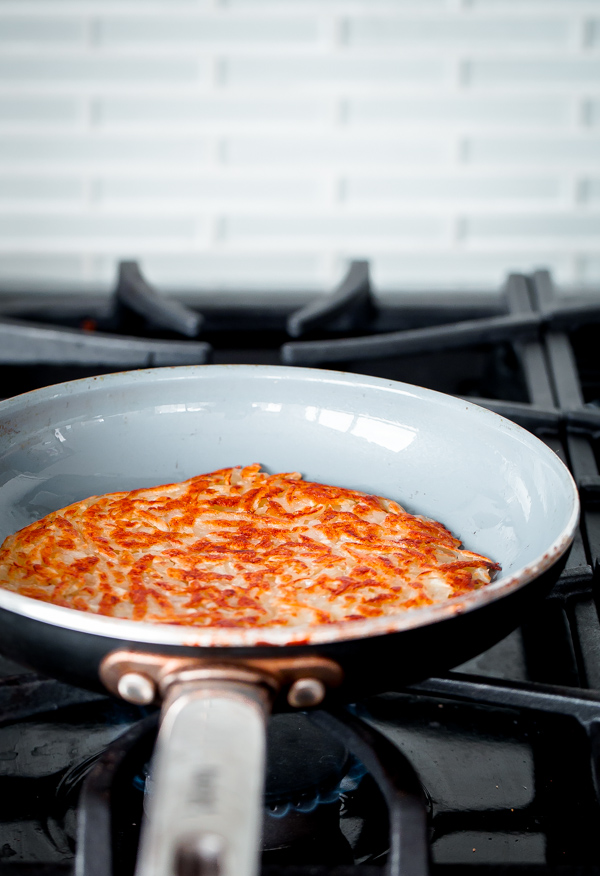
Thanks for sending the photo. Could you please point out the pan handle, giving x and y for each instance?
(204, 815)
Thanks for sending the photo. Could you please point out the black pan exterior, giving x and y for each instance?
(371, 665)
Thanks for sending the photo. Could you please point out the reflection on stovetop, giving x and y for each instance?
(506, 748)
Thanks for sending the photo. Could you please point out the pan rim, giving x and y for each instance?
(157, 634)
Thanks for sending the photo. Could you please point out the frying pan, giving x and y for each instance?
(498, 488)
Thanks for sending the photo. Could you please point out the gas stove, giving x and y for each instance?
(491, 769)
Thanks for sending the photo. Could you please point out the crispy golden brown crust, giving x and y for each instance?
(239, 548)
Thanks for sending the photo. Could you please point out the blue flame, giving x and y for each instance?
(350, 782)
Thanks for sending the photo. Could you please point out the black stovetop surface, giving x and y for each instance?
(505, 747)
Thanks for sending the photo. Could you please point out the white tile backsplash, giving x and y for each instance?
(468, 268)
(590, 270)
(333, 152)
(241, 270)
(214, 113)
(591, 191)
(261, 144)
(30, 110)
(359, 227)
(444, 31)
(568, 152)
(113, 227)
(40, 30)
(462, 112)
(216, 189)
(533, 225)
(80, 71)
(544, 73)
(200, 31)
(446, 191)
(36, 270)
(334, 70)
(18, 188)
(95, 151)
(592, 112)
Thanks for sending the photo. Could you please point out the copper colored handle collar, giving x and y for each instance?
(144, 678)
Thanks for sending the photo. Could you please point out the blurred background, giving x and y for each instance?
(263, 144)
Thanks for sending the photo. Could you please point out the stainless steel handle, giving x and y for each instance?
(204, 816)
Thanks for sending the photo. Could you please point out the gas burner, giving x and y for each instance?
(360, 819)
(321, 807)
